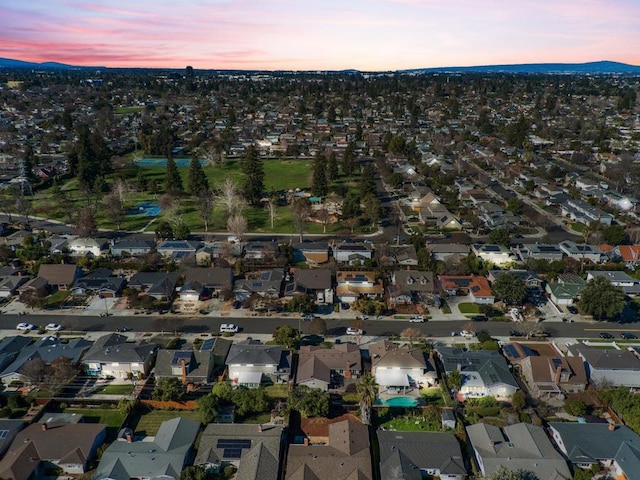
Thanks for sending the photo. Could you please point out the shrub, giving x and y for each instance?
(5, 412)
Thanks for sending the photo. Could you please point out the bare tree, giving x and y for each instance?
(23, 207)
(411, 334)
(34, 370)
(212, 156)
(323, 216)
(300, 213)
(114, 208)
(63, 371)
(168, 201)
(206, 202)
(229, 198)
(86, 225)
(121, 190)
(272, 206)
(318, 326)
(237, 224)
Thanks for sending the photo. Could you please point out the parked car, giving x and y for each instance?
(344, 306)
(308, 316)
(628, 336)
(53, 327)
(237, 304)
(515, 333)
(354, 331)
(417, 319)
(573, 310)
(467, 334)
(25, 327)
(479, 318)
(606, 335)
(229, 328)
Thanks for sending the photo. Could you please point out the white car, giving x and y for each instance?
(229, 328)
(467, 334)
(354, 331)
(417, 319)
(25, 327)
(53, 327)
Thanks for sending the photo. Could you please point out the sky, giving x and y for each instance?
(370, 35)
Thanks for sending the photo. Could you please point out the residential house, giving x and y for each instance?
(267, 285)
(59, 276)
(484, 372)
(401, 367)
(250, 360)
(547, 373)
(566, 289)
(254, 450)
(628, 284)
(443, 251)
(521, 446)
(587, 444)
(92, 247)
(540, 251)
(177, 248)
(475, 286)
(163, 456)
(353, 285)
(260, 251)
(404, 255)
(9, 284)
(344, 455)
(353, 253)
(496, 254)
(22, 463)
(327, 368)
(190, 366)
(8, 430)
(101, 282)
(113, 356)
(582, 251)
(530, 278)
(67, 446)
(411, 286)
(439, 216)
(608, 366)
(10, 347)
(159, 285)
(313, 253)
(317, 282)
(133, 248)
(580, 211)
(47, 349)
(416, 455)
(213, 281)
(629, 254)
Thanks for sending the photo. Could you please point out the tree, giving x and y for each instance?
(173, 181)
(237, 225)
(208, 408)
(30, 161)
(250, 401)
(193, 472)
(411, 333)
(197, 180)
(300, 210)
(310, 402)
(254, 176)
(206, 202)
(368, 180)
(318, 326)
(181, 230)
(272, 205)
(332, 167)
(86, 225)
(286, 336)
(34, 298)
(500, 236)
(372, 208)
(454, 380)
(62, 371)
(34, 370)
(367, 390)
(229, 198)
(301, 303)
(509, 288)
(114, 209)
(614, 234)
(349, 159)
(601, 299)
(223, 391)
(319, 182)
(576, 407)
(518, 400)
(89, 158)
(168, 389)
(164, 230)
(127, 405)
(503, 473)
(514, 205)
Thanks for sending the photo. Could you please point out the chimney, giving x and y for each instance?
(184, 371)
(306, 442)
(612, 427)
(260, 428)
(347, 371)
(129, 438)
(44, 427)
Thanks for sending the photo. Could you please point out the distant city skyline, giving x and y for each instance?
(319, 34)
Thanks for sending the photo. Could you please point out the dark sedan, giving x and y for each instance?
(606, 335)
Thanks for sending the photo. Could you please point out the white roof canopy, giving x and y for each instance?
(391, 378)
(249, 377)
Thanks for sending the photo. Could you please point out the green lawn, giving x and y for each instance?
(433, 396)
(410, 424)
(277, 391)
(113, 418)
(257, 418)
(115, 389)
(147, 422)
(57, 298)
(467, 307)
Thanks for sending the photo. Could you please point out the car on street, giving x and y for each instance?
(53, 327)
(417, 319)
(606, 335)
(308, 316)
(237, 304)
(25, 327)
(354, 331)
(573, 310)
(479, 318)
(515, 333)
(467, 334)
(344, 306)
(229, 328)
(628, 336)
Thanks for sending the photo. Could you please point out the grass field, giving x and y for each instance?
(113, 418)
(115, 389)
(467, 307)
(147, 422)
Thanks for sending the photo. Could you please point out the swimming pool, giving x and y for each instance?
(148, 209)
(406, 402)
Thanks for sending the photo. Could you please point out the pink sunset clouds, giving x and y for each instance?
(326, 34)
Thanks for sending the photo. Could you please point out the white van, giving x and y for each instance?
(229, 328)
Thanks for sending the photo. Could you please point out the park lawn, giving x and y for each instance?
(115, 389)
(467, 307)
(148, 422)
(277, 391)
(128, 109)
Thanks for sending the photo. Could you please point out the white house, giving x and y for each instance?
(88, 246)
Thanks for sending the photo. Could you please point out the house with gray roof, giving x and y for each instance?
(516, 447)
(101, 282)
(530, 278)
(267, 284)
(326, 368)
(628, 284)
(608, 365)
(404, 255)
(8, 430)
(255, 450)
(260, 250)
(352, 252)
(345, 454)
(411, 286)
(132, 248)
(47, 349)
(177, 248)
(443, 251)
(214, 279)
(159, 285)
(10, 347)
(163, 456)
(484, 372)
(190, 366)
(418, 454)
(250, 360)
(540, 251)
(582, 251)
(113, 355)
(626, 463)
(9, 284)
(586, 444)
(317, 282)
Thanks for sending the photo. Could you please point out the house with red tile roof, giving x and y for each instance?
(476, 286)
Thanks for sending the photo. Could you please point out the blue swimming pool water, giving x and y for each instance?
(162, 162)
(398, 402)
(148, 209)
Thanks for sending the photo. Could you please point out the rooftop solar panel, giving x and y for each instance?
(208, 344)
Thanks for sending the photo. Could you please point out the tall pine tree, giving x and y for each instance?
(197, 180)
(319, 183)
(89, 158)
(332, 168)
(173, 182)
(254, 176)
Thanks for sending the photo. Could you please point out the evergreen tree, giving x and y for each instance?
(254, 172)
(173, 181)
(30, 161)
(89, 158)
(197, 180)
(368, 180)
(349, 160)
(332, 168)
(319, 183)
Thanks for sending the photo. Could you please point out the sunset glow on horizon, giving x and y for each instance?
(319, 35)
